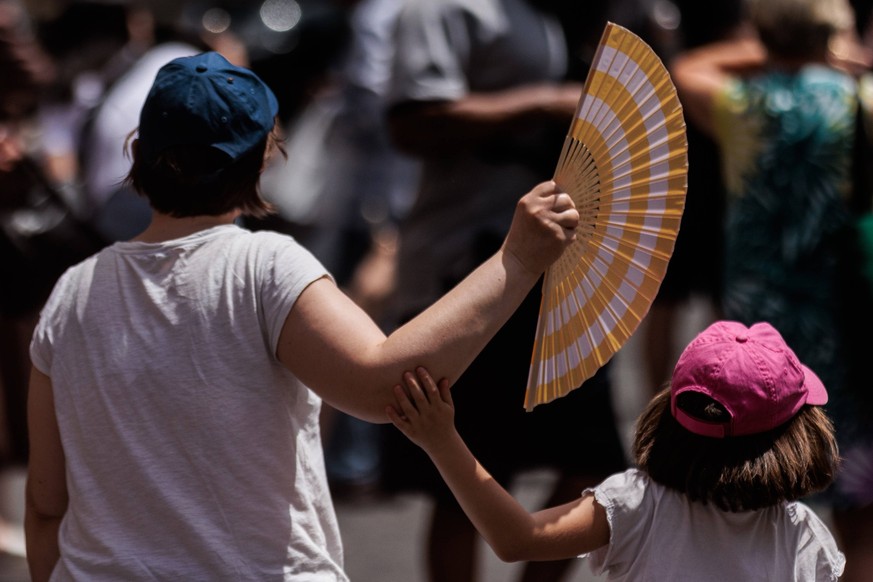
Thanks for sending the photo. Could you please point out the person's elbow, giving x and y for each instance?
(512, 550)
(510, 553)
(43, 507)
(372, 409)
(512, 545)
(373, 416)
(538, 546)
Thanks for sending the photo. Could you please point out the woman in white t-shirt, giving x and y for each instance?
(177, 377)
(723, 456)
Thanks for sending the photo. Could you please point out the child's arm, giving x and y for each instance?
(426, 417)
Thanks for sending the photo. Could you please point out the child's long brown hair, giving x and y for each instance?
(737, 473)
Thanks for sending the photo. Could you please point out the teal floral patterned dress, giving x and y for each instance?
(786, 141)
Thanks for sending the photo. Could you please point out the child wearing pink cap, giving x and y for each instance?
(723, 455)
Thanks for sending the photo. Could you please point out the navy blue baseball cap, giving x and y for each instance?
(205, 100)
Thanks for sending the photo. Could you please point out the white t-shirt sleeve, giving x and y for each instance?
(623, 496)
(53, 314)
(816, 549)
(291, 269)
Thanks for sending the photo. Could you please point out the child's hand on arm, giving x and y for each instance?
(425, 414)
(424, 411)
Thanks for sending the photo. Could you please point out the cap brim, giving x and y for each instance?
(817, 395)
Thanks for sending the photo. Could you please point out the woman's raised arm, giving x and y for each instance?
(339, 352)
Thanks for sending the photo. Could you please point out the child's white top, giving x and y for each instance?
(657, 533)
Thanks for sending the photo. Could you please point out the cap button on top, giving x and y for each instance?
(200, 68)
(742, 338)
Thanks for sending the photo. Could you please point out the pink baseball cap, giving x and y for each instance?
(751, 372)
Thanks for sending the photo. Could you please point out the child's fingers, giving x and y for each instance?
(407, 408)
(446, 392)
(430, 387)
(415, 390)
(395, 417)
(435, 392)
(400, 422)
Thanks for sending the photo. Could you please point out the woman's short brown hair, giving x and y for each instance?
(202, 181)
(737, 473)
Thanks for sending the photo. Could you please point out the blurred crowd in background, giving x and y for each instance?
(73, 75)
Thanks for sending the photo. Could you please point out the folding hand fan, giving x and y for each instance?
(625, 164)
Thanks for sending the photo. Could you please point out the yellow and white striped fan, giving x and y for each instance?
(625, 164)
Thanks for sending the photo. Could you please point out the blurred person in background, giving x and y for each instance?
(88, 42)
(478, 94)
(25, 72)
(783, 107)
(694, 271)
(110, 52)
(344, 186)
